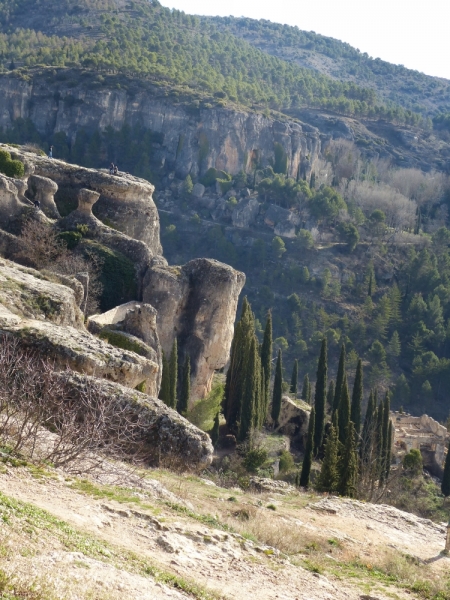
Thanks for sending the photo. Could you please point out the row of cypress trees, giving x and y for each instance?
(350, 457)
(169, 382)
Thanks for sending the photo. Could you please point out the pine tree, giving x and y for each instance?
(384, 452)
(266, 361)
(306, 390)
(252, 392)
(240, 348)
(349, 464)
(339, 379)
(357, 398)
(329, 475)
(330, 394)
(215, 430)
(164, 392)
(320, 396)
(307, 459)
(445, 485)
(185, 394)
(294, 378)
(344, 410)
(173, 369)
(277, 390)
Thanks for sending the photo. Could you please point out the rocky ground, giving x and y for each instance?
(119, 534)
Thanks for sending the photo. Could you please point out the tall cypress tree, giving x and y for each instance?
(344, 410)
(339, 379)
(266, 362)
(306, 389)
(185, 394)
(277, 390)
(215, 430)
(235, 380)
(164, 392)
(379, 440)
(307, 459)
(445, 484)
(357, 398)
(348, 464)
(320, 396)
(173, 369)
(330, 394)
(389, 452)
(329, 475)
(294, 378)
(384, 452)
(252, 392)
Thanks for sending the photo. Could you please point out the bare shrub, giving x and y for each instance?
(45, 417)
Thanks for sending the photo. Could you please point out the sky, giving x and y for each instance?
(410, 33)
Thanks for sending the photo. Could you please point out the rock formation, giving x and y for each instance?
(196, 304)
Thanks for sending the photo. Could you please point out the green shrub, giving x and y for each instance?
(9, 167)
(204, 411)
(209, 178)
(286, 461)
(254, 459)
(123, 341)
(70, 238)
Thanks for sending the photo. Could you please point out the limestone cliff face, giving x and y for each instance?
(193, 140)
(197, 304)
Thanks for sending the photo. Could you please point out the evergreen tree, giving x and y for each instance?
(339, 379)
(320, 396)
(357, 398)
(306, 389)
(344, 410)
(294, 378)
(173, 369)
(379, 440)
(164, 392)
(266, 361)
(215, 430)
(277, 390)
(367, 436)
(183, 403)
(349, 464)
(329, 475)
(445, 484)
(252, 392)
(307, 459)
(330, 394)
(235, 381)
(384, 452)
(389, 452)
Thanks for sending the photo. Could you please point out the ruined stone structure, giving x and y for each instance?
(421, 433)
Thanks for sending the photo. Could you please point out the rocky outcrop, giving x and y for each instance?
(196, 304)
(135, 321)
(245, 212)
(11, 203)
(43, 190)
(124, 201)
(30, 295)
(293, 420)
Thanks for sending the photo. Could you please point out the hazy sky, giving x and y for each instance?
(411, 33)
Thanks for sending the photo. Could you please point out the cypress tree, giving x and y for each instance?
(384, 452)
(277, 390)
(306, 389)
(370, 286)
(185, 394)
(389, 452)
(339, 379)
(357, 398)
(349, 464)
(330, 394)
(294, 378)
(252, 391)
(235, 380)
(445, 485)
(320, 396)
(307, 459)
(266, 361)
(328, 478)
(173, 369)
(368, 426)
(379, 440)
(344, 410)
(164, 392)
(215, 430)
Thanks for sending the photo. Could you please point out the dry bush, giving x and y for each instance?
(44, 416)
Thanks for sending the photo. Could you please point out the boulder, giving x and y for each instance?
(198, 190)
(293, 420)
(196, 304)
(285, 228)
(245, 212)
(43, 190)
(11, 204)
